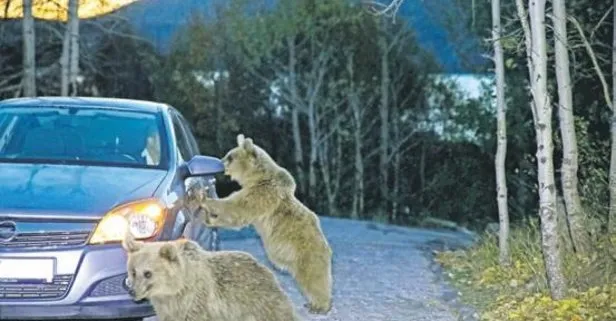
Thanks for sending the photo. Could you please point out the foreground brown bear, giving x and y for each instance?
(291, 233)
(185, 283)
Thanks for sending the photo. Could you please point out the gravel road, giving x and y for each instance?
(381, 272)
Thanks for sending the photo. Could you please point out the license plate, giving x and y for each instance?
(27, 269)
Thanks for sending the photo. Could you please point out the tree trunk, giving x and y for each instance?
(569, 180)
(73, 21)
(545, 165)
(384, 118)
(357, 113)
(312, 174)
(612, 184)
(395, 203)
(69, 61)
(359, 176)
(422, 173)
(501, 134)
(297, 139)
(29, 59)
(564, 233)
(64, 63)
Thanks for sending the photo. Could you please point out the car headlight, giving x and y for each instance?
(144, 218)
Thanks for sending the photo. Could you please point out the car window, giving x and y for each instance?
(192, 142)
(81, 136)
(182, 143)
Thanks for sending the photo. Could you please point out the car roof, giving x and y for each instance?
(93, 102)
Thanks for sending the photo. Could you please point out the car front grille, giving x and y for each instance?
(47, 239)
(55, 290)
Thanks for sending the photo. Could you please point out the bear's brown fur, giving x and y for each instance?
(291, 232)
(185, 283)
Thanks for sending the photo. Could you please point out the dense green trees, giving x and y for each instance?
(345, 99)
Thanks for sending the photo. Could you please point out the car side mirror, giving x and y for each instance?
(203, 166)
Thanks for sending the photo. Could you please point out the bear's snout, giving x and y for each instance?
(128, 285)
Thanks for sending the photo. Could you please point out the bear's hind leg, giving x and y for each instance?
(315, 280)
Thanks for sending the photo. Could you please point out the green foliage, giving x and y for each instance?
(255, 50)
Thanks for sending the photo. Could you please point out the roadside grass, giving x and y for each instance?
(520, 292)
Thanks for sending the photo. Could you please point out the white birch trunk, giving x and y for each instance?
(569, 179)
(384, 118)
(501, 134)
(357, 112)
(73, 23)
(297, 139)
(29, 43)
(69, 61)
(545, 147)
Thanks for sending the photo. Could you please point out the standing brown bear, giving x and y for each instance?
(290, 232)
(185, 283)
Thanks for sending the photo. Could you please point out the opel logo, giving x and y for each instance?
(8, 231)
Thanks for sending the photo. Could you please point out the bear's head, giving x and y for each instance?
(246, 160)
(154, 269)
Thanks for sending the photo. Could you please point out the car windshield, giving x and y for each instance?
(81, 136)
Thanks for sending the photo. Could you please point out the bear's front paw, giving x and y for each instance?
(211, 219)
(195, 195)
(314, 309)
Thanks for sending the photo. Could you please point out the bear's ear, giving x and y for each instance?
(169, 252)
(240, 140)
(130, 244)
(249, 146)
(189, 246)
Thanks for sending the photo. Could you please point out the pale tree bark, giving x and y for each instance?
(545, 147)
(69, 60)
(330, 161)
(397, 160)
(399, 137)
(523, 17)
(29, 59)
(608, 101)
(357, 113)
(74, 61)
(575, 214)
(501, 134)
(313, 90)
(64, 63)
(297, 139)
(384, 119)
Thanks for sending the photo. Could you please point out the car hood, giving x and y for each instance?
(86, 191)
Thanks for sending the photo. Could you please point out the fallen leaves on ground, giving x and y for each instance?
(519, 292)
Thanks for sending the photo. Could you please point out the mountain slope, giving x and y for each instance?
(158, 20)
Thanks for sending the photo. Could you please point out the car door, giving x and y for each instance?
(188, 148)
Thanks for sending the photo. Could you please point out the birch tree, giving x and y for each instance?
(386, 149)
(298, 154)
(569, 170)
(384, 118)
(357, 113)
(501, 134)
(29, 60)
(69, 60)
(545, 146)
